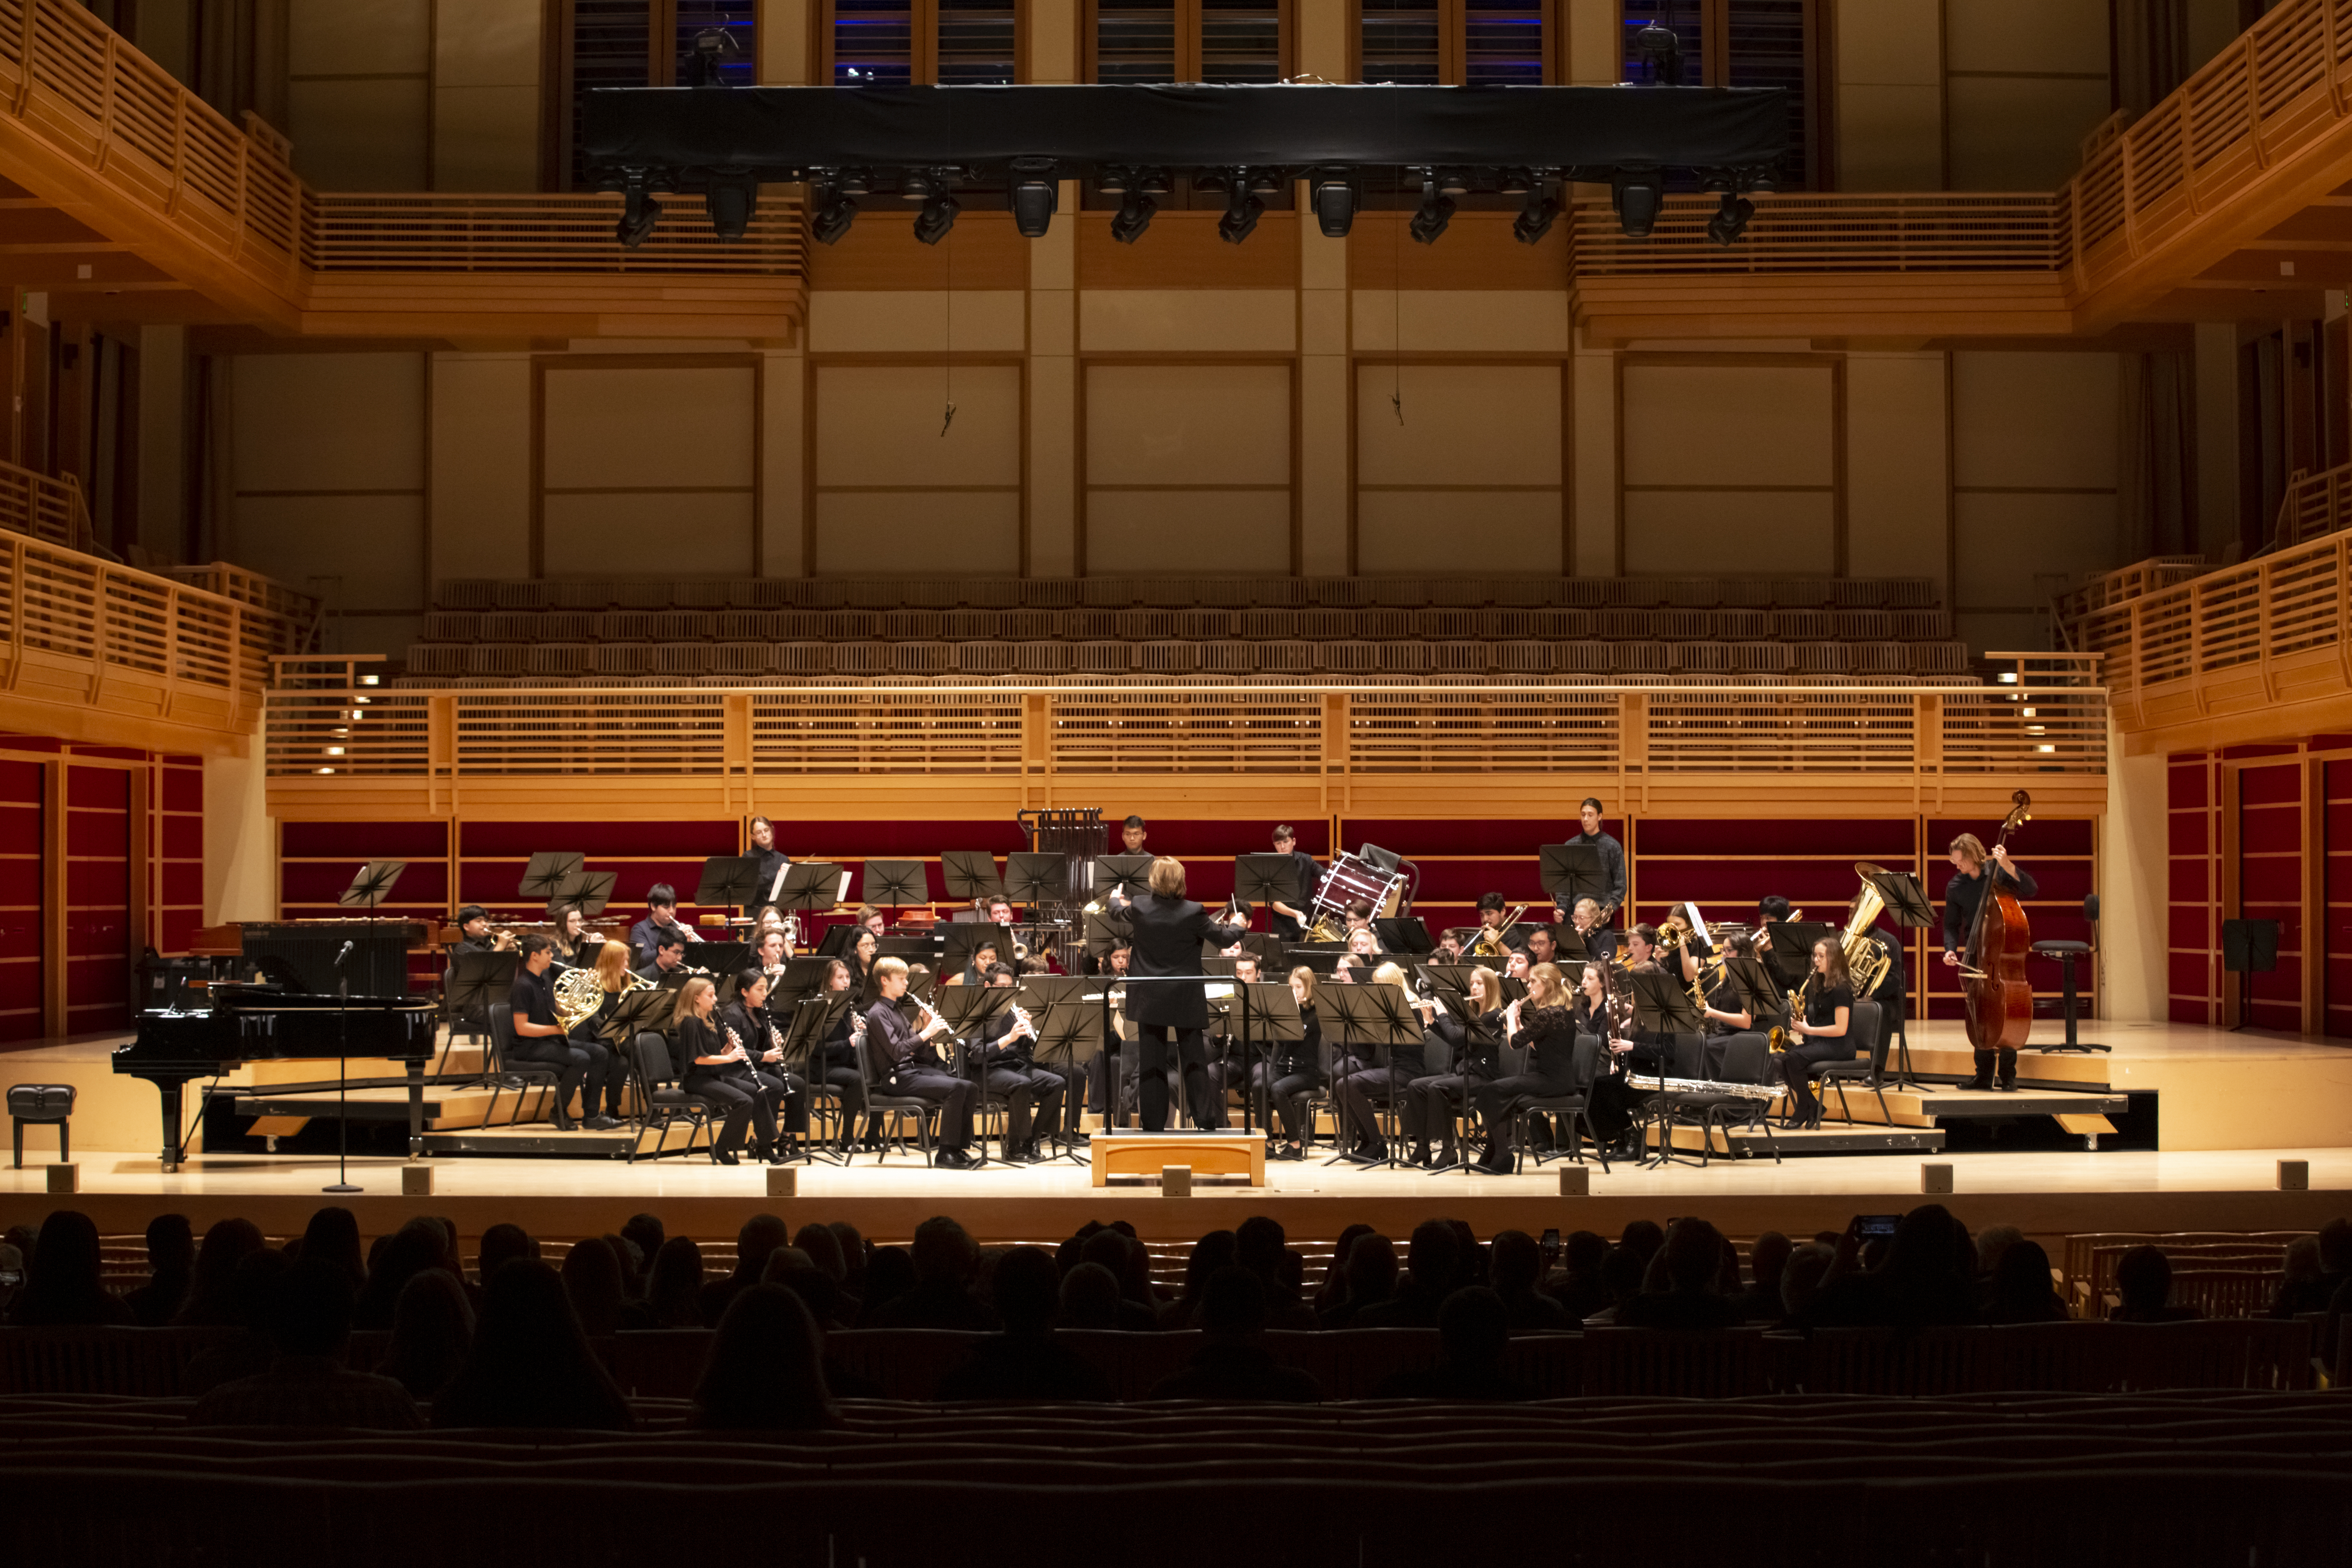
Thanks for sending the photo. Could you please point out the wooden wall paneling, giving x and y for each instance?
(23, 974)
(1452, 465)
(1087, 553)
(1182, 250)
(983, 251)
(100, 901)
(53, 896)
(2267, 876)
(925, 451)
(2062, 854)
(2336, 898)
(2192, 964)
(2314, 896)
(1476, 252)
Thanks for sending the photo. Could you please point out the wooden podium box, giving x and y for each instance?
(1208, 1154)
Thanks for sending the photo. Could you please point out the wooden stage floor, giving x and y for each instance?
(2260, 1097)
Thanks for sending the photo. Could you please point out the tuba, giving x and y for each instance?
(1867, 962)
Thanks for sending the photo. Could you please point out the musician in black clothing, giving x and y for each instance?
(474, 936)
(1474, 1047)
(985, 958)
(614, 979)
(661, 916)
(669, 957)
(1963, 895)
(772, 859)
(1111, 965)
(913, 1068)
(763, 1042)
(1293, 1071)
(1541, 1025)
(1613, 859)
(1167, 933)
(719, 1068)
(1728, 1011)
(1002, 1049)
(1225, 1068)
(837, 1057)
(1290, 921)
(1823, 1032)
(1379, 1082)
(539, 1037)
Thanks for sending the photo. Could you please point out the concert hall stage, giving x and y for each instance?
(2226, 1108)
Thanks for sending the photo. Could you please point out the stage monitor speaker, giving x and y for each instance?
(2250, 947)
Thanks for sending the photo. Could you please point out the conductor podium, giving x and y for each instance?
(1117, 1152)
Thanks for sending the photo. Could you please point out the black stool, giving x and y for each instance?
(42, 1102)
(2066, 953)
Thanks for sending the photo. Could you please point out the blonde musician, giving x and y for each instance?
(1360, 918)
(1963, 895)
(1820, 1028)
(1008, 1070)
(1586, 938)
(1541, 1025)
(1473, 1047)
(910, 1068)
(612, 977)
(1375, 1081)
(870, 919)
(1363, 950)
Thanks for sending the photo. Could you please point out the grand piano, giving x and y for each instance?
(249, 1023)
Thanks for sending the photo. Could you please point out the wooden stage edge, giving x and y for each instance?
(2045, 1193)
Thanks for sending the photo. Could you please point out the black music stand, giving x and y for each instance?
(640, 1011)
(1038, 881)
(1665, 999)
(1383, 1016)
(814, 1018)
(804, 976)
(372, 885)
(1069, 1037)
(971, 875)
(720, 960)
(894, 884)
(1321, 960)
(549, 872)
(811, 884)
(344, 1183)
(1791, 957)
(590, 891)
(1573, 871)
(1269, 879)
(1402, 935)
(729, 881)
(1911, 908)
(1269, 1016)
(967, 1009)
(1106, 929)
(962, 940)
(475, 981)
(1126, 875)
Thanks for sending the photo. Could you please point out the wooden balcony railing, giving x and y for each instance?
(85, 633)
(226, 213)
(2315, 505)
(47, 509)
(1937, 233)
(2069, 609)
(327, 718)
(2243, 641)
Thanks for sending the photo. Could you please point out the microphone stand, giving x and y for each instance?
(344, 1183)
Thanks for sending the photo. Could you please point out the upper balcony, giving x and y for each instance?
(125, 184)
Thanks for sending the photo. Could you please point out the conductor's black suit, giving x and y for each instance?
(1167, 935)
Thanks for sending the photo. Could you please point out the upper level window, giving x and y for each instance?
(1750, 43)
(1151, 41)
(639, 43)
(1473, 43)
(899, 43)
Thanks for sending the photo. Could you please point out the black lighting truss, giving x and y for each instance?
(921, 143)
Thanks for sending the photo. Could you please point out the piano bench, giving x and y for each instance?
(42, 1102)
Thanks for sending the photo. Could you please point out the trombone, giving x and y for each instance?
(1489, 942)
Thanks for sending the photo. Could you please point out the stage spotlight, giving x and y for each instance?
(1535, 219)
(1335, 204)
(1450, 182)
(917, 185)
(853, 183)
(1660, 50)
(1034, 201)
(1730, 219)
(713, 46)
(831, 218)
(1637, 195)
(1436, 212)
(1134, 216)
(1241, 210)
(729, 203)
(1114, 181)
(1154, 183)
(1516, 182)
(937, 216)
(638, 215)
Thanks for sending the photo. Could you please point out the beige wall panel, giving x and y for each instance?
(328, 422)
(848, 321)
(1890, 138)
(1165, 533)
(487, 43)
(375, 544)
(2036, 420)
(1053, 47)
(700, 535)
(872, 533)
(1593, 472)
(2040, 36)
(783, 34)
(1188, 321)
(1489, 425)
(659, 426)
(1197, 424)
(1898, 488)
(782, 458)
(2018, 133)
(1321, 38)
(1484, 320)
(1890, 41)
(1736, 425)
(481, 465)
(2014, 540)
(486, 138)
(1053, 468)
(1596, 31)
(879, 425)
(359, 135)
(1669, 533)
(363, 38)
(1455, 532)
(1324, 484)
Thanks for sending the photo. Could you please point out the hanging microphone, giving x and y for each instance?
(345, 954)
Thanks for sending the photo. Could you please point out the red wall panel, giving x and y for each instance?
(20, 901)
(98, 899)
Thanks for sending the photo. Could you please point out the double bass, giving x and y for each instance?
(1999, 1002)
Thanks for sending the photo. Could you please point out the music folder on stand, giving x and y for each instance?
(1069, 1036)
(729, 881)
(549, 872)
(894, 884)
(813, 1019)
(589, 891)
(967, 1009)
(1269, 1016)
(971, 875)
(1380, 1015)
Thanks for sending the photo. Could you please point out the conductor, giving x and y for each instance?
(1169, 931)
